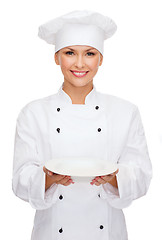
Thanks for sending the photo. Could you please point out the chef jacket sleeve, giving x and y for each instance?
(28, 181)
(135, 169)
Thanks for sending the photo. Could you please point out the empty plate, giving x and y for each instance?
(81, 167)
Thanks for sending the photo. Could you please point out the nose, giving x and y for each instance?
(80, 62)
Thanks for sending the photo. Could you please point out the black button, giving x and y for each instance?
(101, 226)
(58, 130)
(99, 129)
(58, 109)
(60, 197)
(60, 230)
(99, 195)
(97, 107)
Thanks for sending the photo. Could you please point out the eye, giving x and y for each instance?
(69, 53)
(90, 53)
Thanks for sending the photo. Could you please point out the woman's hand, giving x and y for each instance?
(56, 178)
(111, 178)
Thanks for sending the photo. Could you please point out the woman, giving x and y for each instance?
(79, 121)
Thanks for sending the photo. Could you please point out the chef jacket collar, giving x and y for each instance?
(65, 98)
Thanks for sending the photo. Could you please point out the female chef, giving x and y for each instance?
(79, 121)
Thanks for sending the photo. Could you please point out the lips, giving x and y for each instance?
(79, 73)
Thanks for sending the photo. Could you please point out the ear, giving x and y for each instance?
(101, 59)
(56, 58)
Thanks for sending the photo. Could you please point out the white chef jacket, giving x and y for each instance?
(105, 127)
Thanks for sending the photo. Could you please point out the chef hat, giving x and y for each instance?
(78, 28)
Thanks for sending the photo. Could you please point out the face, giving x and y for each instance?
(79, 64)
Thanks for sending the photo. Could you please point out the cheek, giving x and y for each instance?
(94, 63)
(65, 63)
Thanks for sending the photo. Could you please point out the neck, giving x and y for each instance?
(77, 93)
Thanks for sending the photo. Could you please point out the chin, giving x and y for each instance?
(79, 83)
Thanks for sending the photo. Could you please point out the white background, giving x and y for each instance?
(131, 70)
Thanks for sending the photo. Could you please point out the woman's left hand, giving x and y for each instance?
(110, 178)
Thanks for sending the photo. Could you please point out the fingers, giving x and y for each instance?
(104, 179)
(58, 178)
(98, 181)
(65, 181)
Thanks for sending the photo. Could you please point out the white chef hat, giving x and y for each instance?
(78, 28)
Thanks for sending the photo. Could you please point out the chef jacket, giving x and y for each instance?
(106, 128)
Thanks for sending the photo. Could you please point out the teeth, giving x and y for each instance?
(79, 73)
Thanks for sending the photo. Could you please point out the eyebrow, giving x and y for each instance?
(85, 50)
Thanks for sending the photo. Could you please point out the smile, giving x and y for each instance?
(79, 73)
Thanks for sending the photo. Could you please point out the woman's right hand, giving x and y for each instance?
(52, 177)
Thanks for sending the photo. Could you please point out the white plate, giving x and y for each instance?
(81, 167)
